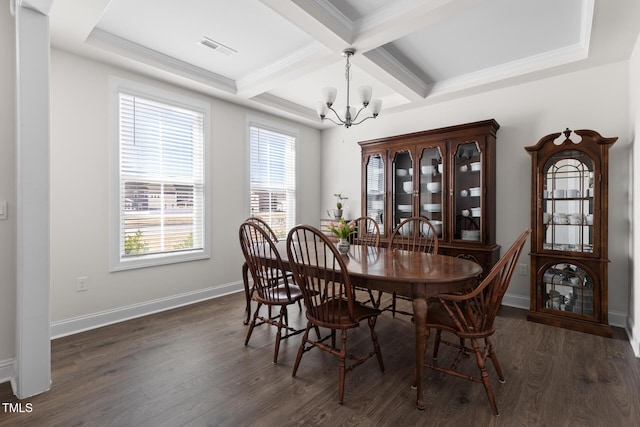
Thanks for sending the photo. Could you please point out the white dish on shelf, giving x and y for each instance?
(401, 172)
(475, 166)
(470, 235)
(437, 226)
(474, 191)
(433, 187)
(428, 170)
(475, 212)
(404, 208)
(432, 207)
(407, 186)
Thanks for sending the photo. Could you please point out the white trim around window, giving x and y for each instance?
(163, 188)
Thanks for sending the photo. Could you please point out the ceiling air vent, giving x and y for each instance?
(218, 47)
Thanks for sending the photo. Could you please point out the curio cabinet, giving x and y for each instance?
(569, 251)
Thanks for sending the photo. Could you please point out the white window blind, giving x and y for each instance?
(161, 178)
(273, 182)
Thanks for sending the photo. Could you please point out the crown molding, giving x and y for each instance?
(286, 106)
(512, 69)
(134, 51)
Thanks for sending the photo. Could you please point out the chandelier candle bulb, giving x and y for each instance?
(365, 94)
(329, 95)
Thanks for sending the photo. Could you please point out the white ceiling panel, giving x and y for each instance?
(175, 28)
(491, 33)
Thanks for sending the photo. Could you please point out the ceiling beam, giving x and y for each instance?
(332, 29)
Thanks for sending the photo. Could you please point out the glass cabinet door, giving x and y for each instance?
(467, 197)
(374, 191)
(431, 187)
(567, 287)
(402, 204)
(567, 203)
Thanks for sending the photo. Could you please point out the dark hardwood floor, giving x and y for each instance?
(189, 366)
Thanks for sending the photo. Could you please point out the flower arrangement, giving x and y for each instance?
(342, 229)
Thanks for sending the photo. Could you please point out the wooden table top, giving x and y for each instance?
(392, 270)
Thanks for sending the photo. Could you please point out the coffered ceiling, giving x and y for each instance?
(277, 55)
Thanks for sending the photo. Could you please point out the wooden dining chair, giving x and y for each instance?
(265, 226)
(470, 316)
(415, 234)
(272, 287)
(321, 274)
(367, 234)
(249, 290)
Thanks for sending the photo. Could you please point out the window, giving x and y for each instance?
(158, 197)
(272, 177)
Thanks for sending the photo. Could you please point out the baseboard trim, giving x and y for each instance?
(518, 301)
(634, 336)
(78, 324)
(7, 370)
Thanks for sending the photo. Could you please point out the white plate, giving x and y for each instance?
(432, 207)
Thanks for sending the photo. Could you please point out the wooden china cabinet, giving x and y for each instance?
(569, 215)
(446, 175)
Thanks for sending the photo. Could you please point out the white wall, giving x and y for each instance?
(79, 203)
(634, 292)
(593, 99)
(7, 188)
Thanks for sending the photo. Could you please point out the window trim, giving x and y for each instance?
(274, 127)
(116, 262)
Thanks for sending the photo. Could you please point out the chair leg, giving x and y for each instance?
(252, 325)
(494, 359)
(342, 367)
(376, 345)
(484, 376)
(436, 344)
(283, 315)
(286, 315)
(301, 349)
(374, 302)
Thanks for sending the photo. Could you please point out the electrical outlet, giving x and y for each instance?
(82, 284)
(522, 269)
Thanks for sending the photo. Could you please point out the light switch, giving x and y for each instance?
(3, 209)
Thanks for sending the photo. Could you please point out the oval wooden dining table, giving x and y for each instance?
(416, 275)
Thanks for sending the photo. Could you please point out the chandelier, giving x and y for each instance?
(350, 114)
